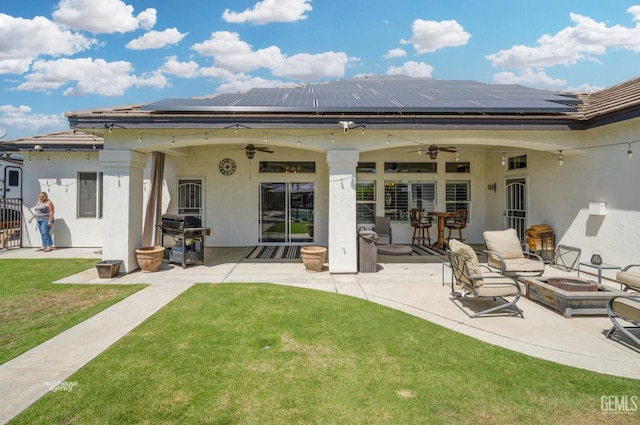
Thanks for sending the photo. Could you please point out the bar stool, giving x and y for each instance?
(458, 223)
(420, 225)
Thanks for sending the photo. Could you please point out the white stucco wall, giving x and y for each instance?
(56, 173)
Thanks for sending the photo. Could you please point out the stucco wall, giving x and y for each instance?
(56, 173)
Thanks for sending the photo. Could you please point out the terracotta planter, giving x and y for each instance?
(313, 257)
(150, 258)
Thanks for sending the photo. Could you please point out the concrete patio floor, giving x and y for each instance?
(412, 285)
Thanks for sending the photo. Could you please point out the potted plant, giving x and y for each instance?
(150, 258)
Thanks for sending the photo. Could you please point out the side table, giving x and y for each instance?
(599, 267)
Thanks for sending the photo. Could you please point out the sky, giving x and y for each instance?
(68, 55)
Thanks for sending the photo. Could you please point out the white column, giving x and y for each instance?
(343, 240)
(122, 208)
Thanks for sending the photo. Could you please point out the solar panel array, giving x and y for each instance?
(381, 94)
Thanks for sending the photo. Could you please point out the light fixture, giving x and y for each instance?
(250, 151)
(140, 138)
(457, 157)
(420, 150)
(388, 139)
(298, 140)
(503, 161)
(173, 140)
(109, 127)
(363, 127)
(37, 148)
(332, 139)
(560, 159)
(629, 152)
(206, 137)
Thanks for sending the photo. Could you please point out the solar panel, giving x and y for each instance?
(382, 94)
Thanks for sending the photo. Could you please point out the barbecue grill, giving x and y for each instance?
(188, 235)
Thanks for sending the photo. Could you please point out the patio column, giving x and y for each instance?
(122, 199)
(343, 241)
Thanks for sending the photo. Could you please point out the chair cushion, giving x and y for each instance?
(504, 242)
(469, 256)
(497, 288)
(627, 308)
(523, 265)
(631, 279)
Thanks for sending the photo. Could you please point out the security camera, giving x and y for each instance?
(346, 125)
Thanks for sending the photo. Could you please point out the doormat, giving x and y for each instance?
(289, 252)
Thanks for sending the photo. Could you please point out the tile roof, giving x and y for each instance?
(61, 141)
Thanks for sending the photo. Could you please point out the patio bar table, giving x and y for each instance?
(442, 216)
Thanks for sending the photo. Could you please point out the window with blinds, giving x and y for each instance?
(400, 197)
(458, 195)
(365, 201)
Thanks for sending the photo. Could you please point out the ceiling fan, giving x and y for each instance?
(251, 149)
(432, 150)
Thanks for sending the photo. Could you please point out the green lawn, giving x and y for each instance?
(33, 310)
(268, 354)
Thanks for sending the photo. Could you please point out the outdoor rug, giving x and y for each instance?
(289, 252)
(428, 250)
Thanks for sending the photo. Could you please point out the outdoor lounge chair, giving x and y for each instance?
(626, 308)
(630, 278)
(474, 283)
(505, 253)
(383, 228)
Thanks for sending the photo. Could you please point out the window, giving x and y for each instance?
(400, 197)
(458, 167)
(89, 195)
(517, 162)
(365, 201)
(458, 195)
(366, 167)
(410, 167)
(287, 167)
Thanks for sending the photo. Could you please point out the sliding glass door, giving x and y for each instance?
(286, 212)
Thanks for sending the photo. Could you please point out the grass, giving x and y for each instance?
(33, 310)
(258, 353)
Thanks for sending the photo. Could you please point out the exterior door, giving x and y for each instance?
(286, 212)
(190, 198)
(516, 206)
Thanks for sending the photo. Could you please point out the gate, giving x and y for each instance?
(10, 223)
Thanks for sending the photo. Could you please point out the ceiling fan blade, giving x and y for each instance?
(264, 149)
(448, 149)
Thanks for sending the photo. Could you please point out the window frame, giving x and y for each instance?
(81, 207)
(451, 205)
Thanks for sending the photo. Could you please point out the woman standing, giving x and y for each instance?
(44, 215)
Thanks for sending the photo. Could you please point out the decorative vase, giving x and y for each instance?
(313, 257)
(150, 258)
(596, 258)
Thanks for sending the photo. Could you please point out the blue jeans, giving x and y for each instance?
(45, 233)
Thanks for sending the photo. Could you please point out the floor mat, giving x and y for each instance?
(289, 252)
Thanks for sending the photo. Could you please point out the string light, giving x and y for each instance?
(173, 140)
(560, 159)
(629, 152)
(457, 157)
(140, 138)
(503, 161)
(332, 139)
(206, 138)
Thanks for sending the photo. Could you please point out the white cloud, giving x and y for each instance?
(102, 16)
(156, 39)
(235, 55)
(180, 69)
(412, 69)
(429, 36)
(244, 83)
(396, 53)
(586, 39)
(22, 40)
(528, 77)
(92, 77)
(268, 11)
(20, 118)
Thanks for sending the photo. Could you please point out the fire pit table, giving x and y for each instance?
(569, 295)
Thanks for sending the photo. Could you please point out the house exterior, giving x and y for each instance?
(312, 164)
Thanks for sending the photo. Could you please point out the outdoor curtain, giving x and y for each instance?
(153, 214)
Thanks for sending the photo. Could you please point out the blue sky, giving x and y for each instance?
(64, 55)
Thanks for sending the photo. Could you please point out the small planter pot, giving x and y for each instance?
(150, 258)
(313, 257)
(108, 269)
